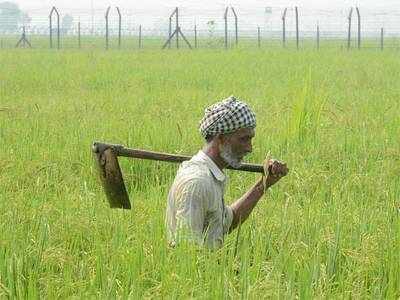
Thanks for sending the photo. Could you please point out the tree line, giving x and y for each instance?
(12, 18)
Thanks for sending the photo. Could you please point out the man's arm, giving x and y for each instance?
(244, 206)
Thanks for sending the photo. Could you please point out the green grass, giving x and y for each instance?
(331, 229)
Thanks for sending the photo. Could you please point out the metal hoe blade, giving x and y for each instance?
(111, 177)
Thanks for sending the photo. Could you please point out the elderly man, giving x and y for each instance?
(196, 210)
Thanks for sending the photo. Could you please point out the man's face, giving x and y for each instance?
(236, 145)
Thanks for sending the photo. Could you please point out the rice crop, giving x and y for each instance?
(330, 229)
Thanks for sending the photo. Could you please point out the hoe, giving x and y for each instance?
(106, 156)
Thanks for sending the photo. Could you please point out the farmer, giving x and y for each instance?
(196, 210)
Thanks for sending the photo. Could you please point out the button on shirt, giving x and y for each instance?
(195, 208)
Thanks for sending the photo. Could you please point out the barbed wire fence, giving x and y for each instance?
(230, 27)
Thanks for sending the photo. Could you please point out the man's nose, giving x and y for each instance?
(249, 148)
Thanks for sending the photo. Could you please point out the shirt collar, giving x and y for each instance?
(217, 172)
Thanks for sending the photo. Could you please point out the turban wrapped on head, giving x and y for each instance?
(226, 116)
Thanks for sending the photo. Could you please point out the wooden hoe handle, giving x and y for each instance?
(144, 154)
(106, 156)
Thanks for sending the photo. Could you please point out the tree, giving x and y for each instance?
(11, 17)
(66, 23)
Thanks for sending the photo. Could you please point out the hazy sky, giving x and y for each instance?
(129, 4)
(330, 14)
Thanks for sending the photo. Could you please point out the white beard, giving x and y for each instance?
(229, 157)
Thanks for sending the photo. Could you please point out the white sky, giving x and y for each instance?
(153, 14)
(209, 4)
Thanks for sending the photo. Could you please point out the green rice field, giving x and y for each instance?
(329, 230)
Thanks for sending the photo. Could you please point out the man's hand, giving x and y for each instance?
(274, 170)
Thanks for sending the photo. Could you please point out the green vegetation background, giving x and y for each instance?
(330, 229)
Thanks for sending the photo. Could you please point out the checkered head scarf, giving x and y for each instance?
(225, 117)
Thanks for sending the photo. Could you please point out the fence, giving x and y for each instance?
(262, 27)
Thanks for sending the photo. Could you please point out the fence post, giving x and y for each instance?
(177, 32)
(140, 36)
(106, 16)
(23, 40)
(349, 30)
(51, 31)
(259, 36)
(176, 28)
(318, 37)
(284, 27)
(54, 10)
(297, 28)
(359, 28)
(226, 27)
(382, 38)
(195, 36)
(236, 26)
(23, 34)
(170, 31)
(119, 27)
(58, 30)
(79, 35)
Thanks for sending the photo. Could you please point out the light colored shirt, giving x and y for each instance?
(196, 208)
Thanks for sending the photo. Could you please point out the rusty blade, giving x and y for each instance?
(111, 178)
